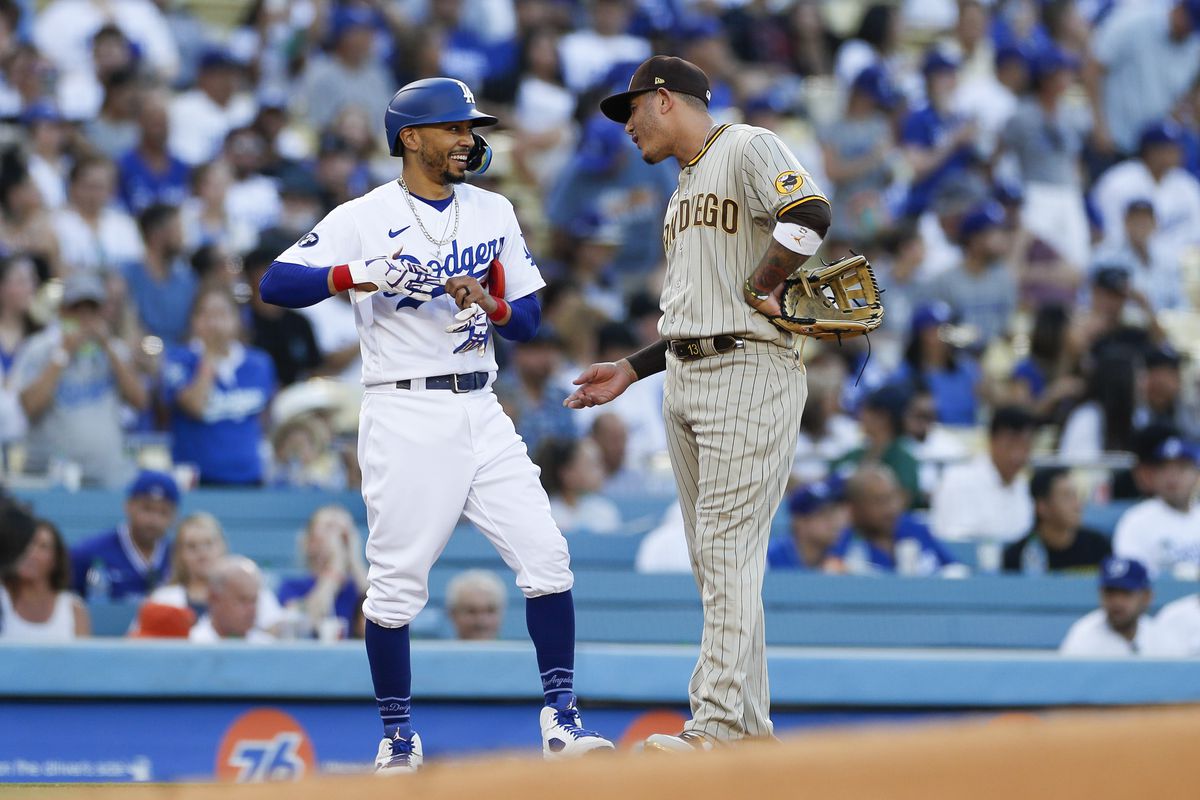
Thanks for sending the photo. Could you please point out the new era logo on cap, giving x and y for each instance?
(659, 81)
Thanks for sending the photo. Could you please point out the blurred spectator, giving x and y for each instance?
(952, 376)
(982, 290)
(816, 517)
(1119, 323)
(1044, 276)
(826, 432)
(938, 142)
(988, 499)
(665, 549)
(36, 601)
(350, 75)
(934, 447)
(234, 585)
(207, 219)
(589, 52)
(322, 603)
(80, 91)
(529, 394)
(1155, 174)
(48, 162)
(543, 113)
(218, 390)
(1161, 398)
(898, 271)
(475, 602)
(1164, 531)
(25, 225)
(881, 537)
(1121, 626)
(1152, 265)
(133, 559)
(337, 338)
(286, 336)
(858, 151)
(1179, 622)
(201, 117)
(92, 233)
(1103, 419)
(991, 97)
(1057, 543)
(881, 419)
(573, 474)
(71, 380)
(162, 285)
(1144, 57)
(308, 453)
(18, 282)
(199, 546)
(252, 196)
(591, 261)
(64, 29)
(114, 130)
(876, 43)
(1045, 381)
(612, 439)
(1046, 136)
(149, 172)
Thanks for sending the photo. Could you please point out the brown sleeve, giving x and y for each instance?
(649, 360)
(815, 215)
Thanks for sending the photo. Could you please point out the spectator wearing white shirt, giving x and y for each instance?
(93, 234)
(1143, 58)
(1179, 621)
(64, 29)
(587, 54)
(233, 589)
(48, 164)
(988, 499)
(252, 197)
(1120, 627)
(201, 117)
(573, 474)
(1164, 531)
(1152, 264)
(1156, 175)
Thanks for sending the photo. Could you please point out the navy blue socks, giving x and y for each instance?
(551, 622)
(388, 652)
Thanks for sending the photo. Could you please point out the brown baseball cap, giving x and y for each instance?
(658, 72)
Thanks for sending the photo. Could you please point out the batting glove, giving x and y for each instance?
(406, 278)
(473, 321)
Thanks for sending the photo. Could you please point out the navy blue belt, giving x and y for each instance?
(455, 383)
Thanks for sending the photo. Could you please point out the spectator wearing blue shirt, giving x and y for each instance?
(217, 390)
(129, 561)
(881, 537)
(530, 395)
(937, 141)
(337, 575)
(163, 285)
(816, 516)
(1047, 380)
(951, 376)
(150, 173)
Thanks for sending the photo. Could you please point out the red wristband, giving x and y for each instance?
(341, 278)
(502, 310)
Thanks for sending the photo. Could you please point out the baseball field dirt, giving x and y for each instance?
(1093, 755)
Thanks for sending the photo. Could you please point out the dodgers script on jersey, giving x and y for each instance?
(718, 225)
(402, 338)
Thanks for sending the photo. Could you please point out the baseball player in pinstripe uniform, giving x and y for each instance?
(745, 216)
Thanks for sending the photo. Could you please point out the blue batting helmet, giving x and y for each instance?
(428, 102)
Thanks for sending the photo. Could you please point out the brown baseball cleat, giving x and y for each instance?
(686, 742)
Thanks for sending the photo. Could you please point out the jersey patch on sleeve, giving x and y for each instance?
(309, 239)
(787, 182)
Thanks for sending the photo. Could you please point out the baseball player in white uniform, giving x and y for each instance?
(746, 215)
(433, 265)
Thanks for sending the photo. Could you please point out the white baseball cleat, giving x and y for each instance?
(399, 755)
(563, 734)
(686, 742)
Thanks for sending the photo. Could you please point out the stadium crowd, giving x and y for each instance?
(1023, 174)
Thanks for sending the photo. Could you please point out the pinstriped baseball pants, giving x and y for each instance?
(732, 422)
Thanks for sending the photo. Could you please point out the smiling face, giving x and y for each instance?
(646, 127)
(441, 150)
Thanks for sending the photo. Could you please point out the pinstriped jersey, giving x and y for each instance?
(718, 227)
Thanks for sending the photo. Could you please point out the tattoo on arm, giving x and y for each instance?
(775, 266)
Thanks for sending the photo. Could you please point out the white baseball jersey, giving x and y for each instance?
(1180, 622)
(1092, 636)
(402, 338)
(718, 227)
(1159, 536)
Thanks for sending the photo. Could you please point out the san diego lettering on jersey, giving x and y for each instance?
(705, 209)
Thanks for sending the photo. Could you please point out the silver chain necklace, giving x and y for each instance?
(421, 225)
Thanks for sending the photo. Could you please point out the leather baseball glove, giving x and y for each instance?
(836, 301)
